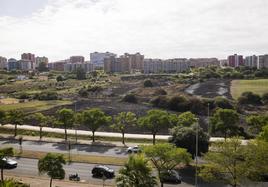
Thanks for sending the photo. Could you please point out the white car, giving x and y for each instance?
(9, 163)
(134, 149)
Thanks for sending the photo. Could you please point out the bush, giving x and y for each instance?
(160, 101)
(148, 83)
(249, 98)
(46, 95)
(265, 98)
(130, 98)
(94, 88)
(178, 103)
(24, 95)
(197, 106)
(60, 78)
(83, 92)
(222, 102)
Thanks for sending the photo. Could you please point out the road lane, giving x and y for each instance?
(81, 149)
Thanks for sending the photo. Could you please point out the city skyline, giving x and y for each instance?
(187, 29)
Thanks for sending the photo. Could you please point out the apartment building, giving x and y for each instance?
(58, 65)
(165, 66)
(235, 60)
(30, 57)
(71, 67)
(262, 61)
(135, 60)
(113, 64)
(39, 60)
(24, 65)
(251, 61)
(3, 62)
(203, 62)
(12, 64)
(97, 58)
(77, 59)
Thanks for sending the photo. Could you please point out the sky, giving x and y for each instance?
(164, 29)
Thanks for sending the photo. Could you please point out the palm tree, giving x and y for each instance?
(52, 165)
(136, 172)
(122, 121)
(5, 152)
(94, 119)
(66, 119)
(15, 117)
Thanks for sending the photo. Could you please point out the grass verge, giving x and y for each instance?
(90, 159)
(259, 86)
(79, 137)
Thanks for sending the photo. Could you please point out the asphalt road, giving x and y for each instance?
(62, 148)
(28, 167)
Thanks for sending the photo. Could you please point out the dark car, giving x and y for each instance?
(9, 163)
(102, 171)
(171, 176)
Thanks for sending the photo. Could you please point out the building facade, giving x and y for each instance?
(71, 67)
(120, 65)
(165, 66)
(97, 58)
(12, 64)
(135, 60)
(39, 60)
(77, 59)
(3, 62)
(25, 65)
(262, 61)
(58, 65)
(251, 61)
(203, 62)
(30, 57)
(235, 60)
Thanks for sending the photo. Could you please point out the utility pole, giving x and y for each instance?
(208, 122)
(196, 153)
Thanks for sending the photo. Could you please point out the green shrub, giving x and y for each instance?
(148, 83)
(130, 98)
(250, 98)
(46, 95)
(222, 102)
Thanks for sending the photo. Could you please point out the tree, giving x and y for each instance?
(154, 121)
(166, 157)
(256, 122)
(185, 137)
(256, 159)
(42, 121)
(122, 121)
(225, 121)
(80, 73)
(15, 117)
(130, 98)
(52, 165)
(148, 83)
(42, 67)
(2, 117)
(66, 119)
(94, 118)
(250, 98)
(222, 102)
(186, 119)
(60, 78)
(227, 164)
(136, 172)
(263, 135)
(5, 152)
(178, 103)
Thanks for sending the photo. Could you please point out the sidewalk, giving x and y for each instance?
(60, 140)
(88, 133)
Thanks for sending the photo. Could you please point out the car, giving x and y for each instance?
(102, 171)
(171, 176)
(9, 163)
(134, 149)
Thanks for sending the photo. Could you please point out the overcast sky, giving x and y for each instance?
(156, 28)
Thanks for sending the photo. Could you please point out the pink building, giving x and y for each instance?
(235, 60)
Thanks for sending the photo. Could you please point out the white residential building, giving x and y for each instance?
(97, 58)
(3, 62)
(70, 67)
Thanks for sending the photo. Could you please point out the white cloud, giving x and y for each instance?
(156, 28)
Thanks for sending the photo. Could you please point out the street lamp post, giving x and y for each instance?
(196, 153)
(208, 122)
